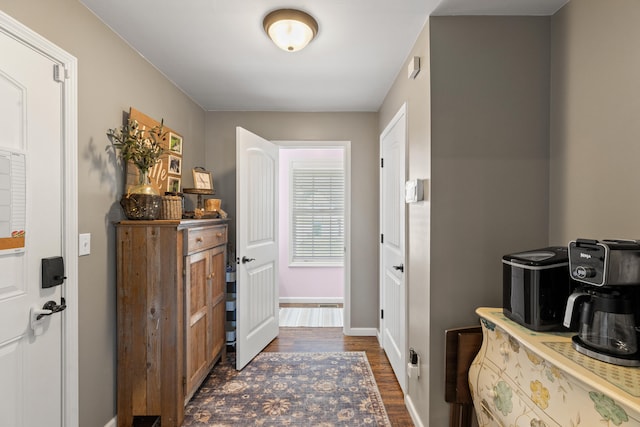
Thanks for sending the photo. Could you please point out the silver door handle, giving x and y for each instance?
(246, 260)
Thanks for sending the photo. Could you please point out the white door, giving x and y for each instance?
(32, 227)
(392, 253)
(257, 244)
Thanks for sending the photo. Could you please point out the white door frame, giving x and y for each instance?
(70, 396)
(346, 147)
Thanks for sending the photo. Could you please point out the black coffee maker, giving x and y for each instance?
(606, 307)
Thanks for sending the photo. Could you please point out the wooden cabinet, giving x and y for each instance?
(171, 314)
(527, 378)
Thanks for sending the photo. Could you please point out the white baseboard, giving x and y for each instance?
(113, 422)
(412, 411)
(361, 332)
(311, 300)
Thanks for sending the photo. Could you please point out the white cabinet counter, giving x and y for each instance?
(526, 378)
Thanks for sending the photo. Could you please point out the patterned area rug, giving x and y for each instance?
(290, 389)
(319, 317)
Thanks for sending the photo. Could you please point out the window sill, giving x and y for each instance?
(316, 264)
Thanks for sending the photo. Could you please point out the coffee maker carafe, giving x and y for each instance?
(606, 305)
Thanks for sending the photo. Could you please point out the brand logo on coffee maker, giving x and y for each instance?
(586, 256)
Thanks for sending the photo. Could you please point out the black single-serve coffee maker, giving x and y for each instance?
(607, 304)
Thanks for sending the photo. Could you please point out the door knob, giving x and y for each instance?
(399, 268)
(37, 314)
(246, 260)
(51, 307)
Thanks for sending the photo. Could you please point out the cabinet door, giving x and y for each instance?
(218, 301)
(197, 319)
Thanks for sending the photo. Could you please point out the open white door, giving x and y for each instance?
(256, 245)
(392, 251)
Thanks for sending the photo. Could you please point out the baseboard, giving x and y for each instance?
(113, 422)
(361, 332)
(412, 411)
(311, 300)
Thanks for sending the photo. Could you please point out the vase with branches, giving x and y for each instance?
(140, 146)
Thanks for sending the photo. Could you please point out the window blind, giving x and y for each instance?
(317, 215)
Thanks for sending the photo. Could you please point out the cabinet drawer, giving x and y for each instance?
(504, 403)
(203, 238)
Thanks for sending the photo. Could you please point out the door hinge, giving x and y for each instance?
(381, 162)
(382, 314)
(60, 73)
(381, 238)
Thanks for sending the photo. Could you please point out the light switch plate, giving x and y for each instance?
(84, 244)
(414, 191)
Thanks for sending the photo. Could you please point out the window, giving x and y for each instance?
(317, 214)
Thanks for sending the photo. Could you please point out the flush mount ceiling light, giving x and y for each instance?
(290, 29)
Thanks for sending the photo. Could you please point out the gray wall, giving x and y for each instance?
(359, 128)
(487, 115)
(490, 159)
(112, 78)
(595, 121)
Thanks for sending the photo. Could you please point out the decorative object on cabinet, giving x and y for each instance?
(173, 185)
(171, 314)
(171, 206)
(141, 206)
(202, 179)
(461, 347)
(175, 143)
(525, 378)
(143, 145)
(160, 172)
(213, 206)
(175, 165)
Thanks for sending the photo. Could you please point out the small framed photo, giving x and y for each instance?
(175, 143)
(202, 179)
(173, 184)
(175, 164)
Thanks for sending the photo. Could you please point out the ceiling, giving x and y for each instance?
(217, 52)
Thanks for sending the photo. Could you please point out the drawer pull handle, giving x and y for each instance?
(218, 234)
(199, 240)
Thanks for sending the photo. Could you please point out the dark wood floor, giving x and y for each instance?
(332, 339)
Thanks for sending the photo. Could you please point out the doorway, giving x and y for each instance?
(312, 261)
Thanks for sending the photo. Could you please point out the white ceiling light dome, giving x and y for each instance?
(290, 29)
